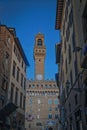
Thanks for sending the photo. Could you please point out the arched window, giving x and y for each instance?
(39, 42)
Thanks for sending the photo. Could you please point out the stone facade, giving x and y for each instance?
(42, 105)
(5, 64)
(71, 19)
(13, 67)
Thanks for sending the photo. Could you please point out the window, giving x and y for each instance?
(66, 65)
(15, 50)
(84, 22)
(19, 57)
(39, 60)
(71, 80)
(18, 73)
(29, 86)
(68, 2)
(14, 69)
(55, 101)
(30, 101)
(76, 99)
(25, 69)
(21, 80)
(69, 107)
(56, 109)
(71, 126)
(67, 32)
(29, 125)
(2, 101)
(16, 96)
(38, 116)
(38, 124)
(12, 92)
(86, 103)
(24, 83)
(24, 103)
(49, 101)
(85, 98)
(39, 42)
(75, 67)
(65, 44)
(31, 109)
(70, 18)
(69, 53)
(33, 86)
(56, 116)
(22, 64)
(21, 96)
(39, 101)
(66, 12)
(73, 40)
(50, 116)
(41, 85)
(50, 108)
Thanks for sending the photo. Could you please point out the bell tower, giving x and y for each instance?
(39, 56)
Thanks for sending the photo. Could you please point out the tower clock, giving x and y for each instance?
(39, 56)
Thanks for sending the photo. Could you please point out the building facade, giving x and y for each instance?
(5, 65)
(71, 19)
(14, 66)
(41, 95)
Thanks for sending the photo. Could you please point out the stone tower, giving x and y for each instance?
(41, 112)
(39, 56)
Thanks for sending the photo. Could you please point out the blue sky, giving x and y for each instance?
(29, 17)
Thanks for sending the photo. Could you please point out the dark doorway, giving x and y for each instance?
(50, 128)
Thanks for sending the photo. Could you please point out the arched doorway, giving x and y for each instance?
(50, 128)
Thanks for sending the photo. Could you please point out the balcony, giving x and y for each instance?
(84, 58)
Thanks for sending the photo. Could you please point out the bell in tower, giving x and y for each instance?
(39, 56)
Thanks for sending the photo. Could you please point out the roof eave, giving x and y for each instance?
(59, 10)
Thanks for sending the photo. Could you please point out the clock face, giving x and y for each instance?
(39, 77)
